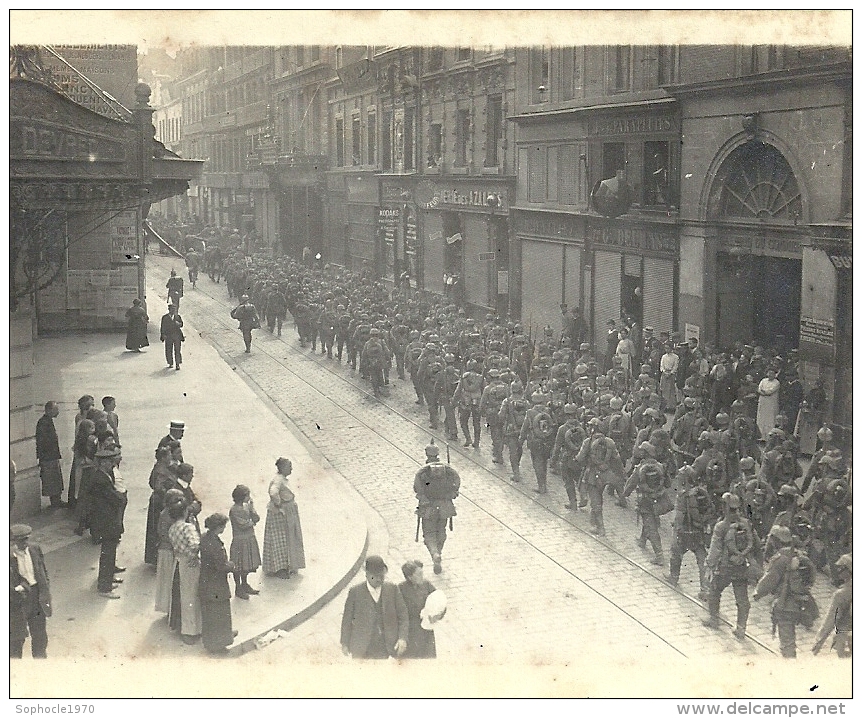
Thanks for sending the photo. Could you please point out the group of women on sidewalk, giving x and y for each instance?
(192, 568)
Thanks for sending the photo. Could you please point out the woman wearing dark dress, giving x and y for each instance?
(415, 590)
(136, 327)
(217, 631)
(162, 478)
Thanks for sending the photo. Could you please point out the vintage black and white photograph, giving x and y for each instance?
(431, 354)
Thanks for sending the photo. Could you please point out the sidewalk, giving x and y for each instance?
(232, 436)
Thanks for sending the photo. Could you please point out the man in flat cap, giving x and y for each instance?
(29, 594)
(375, 622)
(436, 486)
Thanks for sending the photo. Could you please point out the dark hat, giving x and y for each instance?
(108, 452)
(375, 564)
(19, 531)
(648, 329)
(409, 567)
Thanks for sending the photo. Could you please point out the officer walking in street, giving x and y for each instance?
(436, 486)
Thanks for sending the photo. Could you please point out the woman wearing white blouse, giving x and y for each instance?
(767, 404)
(667, 385)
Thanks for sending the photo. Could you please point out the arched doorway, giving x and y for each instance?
(757, 203)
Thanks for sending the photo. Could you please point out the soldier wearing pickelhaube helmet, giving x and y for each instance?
(734, 546)
(436, 485)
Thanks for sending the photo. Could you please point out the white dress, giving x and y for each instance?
(767, 405)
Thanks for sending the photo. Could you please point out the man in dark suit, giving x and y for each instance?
(375, 622)
(29, 594)
(171, 333)
(109, 499)
(48, 455)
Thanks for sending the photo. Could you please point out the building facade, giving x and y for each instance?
(585, 115)
(766, 204)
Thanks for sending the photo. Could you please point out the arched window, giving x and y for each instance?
(758, 183)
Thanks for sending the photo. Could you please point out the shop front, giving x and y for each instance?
(80, 185)
(634, 274)
(552, 257)
(466, 239)
(399, 254)
(298, 183)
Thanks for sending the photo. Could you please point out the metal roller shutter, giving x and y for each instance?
(541, 286)
(606, 296)
(475, 270)
(433, 252)
(573, 278)
(658, 294)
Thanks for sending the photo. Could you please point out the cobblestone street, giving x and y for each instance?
(526, 582)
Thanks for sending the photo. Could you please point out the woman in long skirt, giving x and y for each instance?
(244, 551)
(136, 327)
(767, 404)
(214, 591)
(185, 611)
(175, 510)
(161, 480)
(283, 550)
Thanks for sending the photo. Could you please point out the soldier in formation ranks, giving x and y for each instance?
(670, 422)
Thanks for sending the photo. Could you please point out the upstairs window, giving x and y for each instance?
(462, 137)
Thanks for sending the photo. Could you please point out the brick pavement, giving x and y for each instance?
(525, 581)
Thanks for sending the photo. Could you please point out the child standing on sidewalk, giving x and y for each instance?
(244, 550)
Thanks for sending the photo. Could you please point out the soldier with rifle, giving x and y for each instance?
(436, 485)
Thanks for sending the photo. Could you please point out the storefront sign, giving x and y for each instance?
(817, 331)
(762, 245)
(123, 231)
(75, 195)
(842, 261)
(556, 226)
(37, 140)
(643, 239)
(633, 125)
(503, 282)
(431, 196)
(388, 219)
(487, 256)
